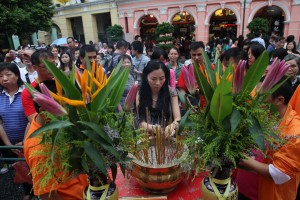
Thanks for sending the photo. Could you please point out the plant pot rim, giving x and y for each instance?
(164, 166)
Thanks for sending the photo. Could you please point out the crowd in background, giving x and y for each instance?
(25, 65)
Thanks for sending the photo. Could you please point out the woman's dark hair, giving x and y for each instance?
(111, 46)
(176, 49)
(256, 49)
(290, 38)
(285, 90)
(62, 65)
(158, 52)
(124, 57)
(14, 69)
(280, 53)
(54, 47)
(164, 98)
(294, 50)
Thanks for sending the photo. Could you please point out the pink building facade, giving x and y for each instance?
(131, 12)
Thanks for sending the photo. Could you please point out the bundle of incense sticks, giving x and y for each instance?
(161, 148)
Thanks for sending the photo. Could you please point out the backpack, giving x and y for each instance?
(109, 63)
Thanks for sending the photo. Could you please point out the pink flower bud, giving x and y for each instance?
(44, 89)
(189, 78)
(49, 104)
(130, 98)
(238, 79)
(275, 73)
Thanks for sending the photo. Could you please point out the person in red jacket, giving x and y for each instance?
(43, 75)
(196, 57)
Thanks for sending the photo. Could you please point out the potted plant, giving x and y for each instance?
(258, 24)
(115, 33)
(164, 34)
(156, 158)
(156, 162)
(89, 136)
(234, 122)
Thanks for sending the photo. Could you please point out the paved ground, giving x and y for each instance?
(9, 190)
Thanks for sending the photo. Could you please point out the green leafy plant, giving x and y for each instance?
(26, 17)
(236, 118)
(164, 35)
(164, 28)
(258, 25)
(115, 32)
(90, 136)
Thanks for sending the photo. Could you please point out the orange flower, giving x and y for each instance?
(84, 82)
(77, 103)
(217, 78)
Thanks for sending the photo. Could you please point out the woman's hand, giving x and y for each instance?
(154, 129)
(17, 151)
(170, 130)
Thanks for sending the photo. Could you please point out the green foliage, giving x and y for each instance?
(226, 144)
(90, 138)
(165, 39)
(164, 28)
(25, 17)
(221, 101)
(231, 125)
(115, 32)
(258, 24)
(255, 73)
(165, 46)
(164, 35)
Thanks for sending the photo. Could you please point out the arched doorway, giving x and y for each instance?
(275, 16)
(183, 23)
(55, 32)
(148, 23)
(223, 23)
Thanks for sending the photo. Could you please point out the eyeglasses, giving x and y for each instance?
(92, 57)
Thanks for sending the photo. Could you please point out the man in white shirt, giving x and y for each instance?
(27, 73)
(258, 38)
(139, 60)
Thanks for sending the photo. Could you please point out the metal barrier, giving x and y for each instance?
(11, 159)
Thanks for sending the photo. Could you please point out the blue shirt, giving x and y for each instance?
(13, 116)
(139, 64)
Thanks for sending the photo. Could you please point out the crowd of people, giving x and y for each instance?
(158, 76)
